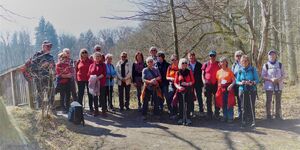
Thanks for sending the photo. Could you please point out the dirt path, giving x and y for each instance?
(128, 131)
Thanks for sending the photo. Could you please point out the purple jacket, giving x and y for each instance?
(273, 71)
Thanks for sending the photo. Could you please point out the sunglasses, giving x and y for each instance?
(212, 55)
(184, 63)
(123, 56)
(173, 59)
(84, 52)
(238, 56)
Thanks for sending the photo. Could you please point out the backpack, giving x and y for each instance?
(75, 114)
(267, 66)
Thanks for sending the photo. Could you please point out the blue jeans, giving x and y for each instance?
(171, 93)
(227, 112)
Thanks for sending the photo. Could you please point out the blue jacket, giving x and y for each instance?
(110, 71)
(248, 73)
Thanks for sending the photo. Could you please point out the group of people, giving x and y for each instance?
(178, 84)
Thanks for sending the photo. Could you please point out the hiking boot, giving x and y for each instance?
(188, 122)
(278, 117)
(230, 120)
(180, 121)
(269, 117)
(96, 113)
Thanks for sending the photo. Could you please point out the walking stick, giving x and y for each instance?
(184, 119)
(252, 110)
(273, 100)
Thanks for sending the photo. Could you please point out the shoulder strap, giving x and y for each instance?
(267, 66)
(280, 65)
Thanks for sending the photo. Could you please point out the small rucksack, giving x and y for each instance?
(75, 114)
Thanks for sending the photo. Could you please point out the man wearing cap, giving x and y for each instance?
(209, 71)
(162, 66)
(235, 69)
(43, 72)
(273, 75)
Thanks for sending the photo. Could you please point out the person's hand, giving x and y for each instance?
(244, 82)
(229, 87)
(123, 80)
(69, 75)
(101, 76)
(45, 64)
(181, 88)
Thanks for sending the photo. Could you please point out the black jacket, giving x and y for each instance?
(198, 74)
(163, 68)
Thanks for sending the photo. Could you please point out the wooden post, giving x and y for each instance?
(13, 88)
(30, 94)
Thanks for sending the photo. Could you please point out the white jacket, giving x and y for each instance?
(128, 68)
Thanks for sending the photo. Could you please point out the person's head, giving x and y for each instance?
(192, 57)
(161, 56)
(123, 56)
(97, 57)
(212, 55)
(238, 54)
(223, 62)
(272, 55)
(46, 46)
(108, 58)
(67, 51)
(97, 48)
(153, 51)
(183, 63)
(245, 61)
(150, 62)
(174, 59)
(139, 57)
(83, 54)
(61, 56)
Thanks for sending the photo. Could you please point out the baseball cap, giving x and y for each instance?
(46, 42)
(272, 51)
(212, 52)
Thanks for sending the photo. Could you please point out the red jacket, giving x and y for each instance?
(98, 69)
(219, 97)
(189, 78)
(63, 68)
(82, 69)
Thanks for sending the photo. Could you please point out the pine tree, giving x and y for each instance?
(40, 34)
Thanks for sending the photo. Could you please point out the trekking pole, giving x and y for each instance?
(273, 100)
(243, 106)
(252, 109)
(184, 118)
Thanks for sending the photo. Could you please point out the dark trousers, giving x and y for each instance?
(73, 90)
(109, 96)
(199, 98)
(44, 85)
(138, 95)
(121, 95)
(65, 94)
(81, 86)
(188, 99)
(248, 99)
(269, 95)
(101, 99)
(239, 101)
(210, 92)
(164, 90)
(150, 96)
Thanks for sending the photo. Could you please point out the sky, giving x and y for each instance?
(67, 16)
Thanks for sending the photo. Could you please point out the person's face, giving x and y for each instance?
(84, 54)
(184, 65)
(212, 57)
(272, 57)
(160, 59)
(97, 49)
(153, 52)
(68, 53)
(47, 48)
(223, 64)
(245, 62)
(109, 60)
(150, 63)
(237, 57)
(175, 61)
(139, 58)
(98, 58)
(192, 58)
(124, 57)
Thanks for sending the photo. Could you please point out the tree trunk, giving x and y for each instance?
(175, 36)
(275, 26)
(292, 68)
(265, 14)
